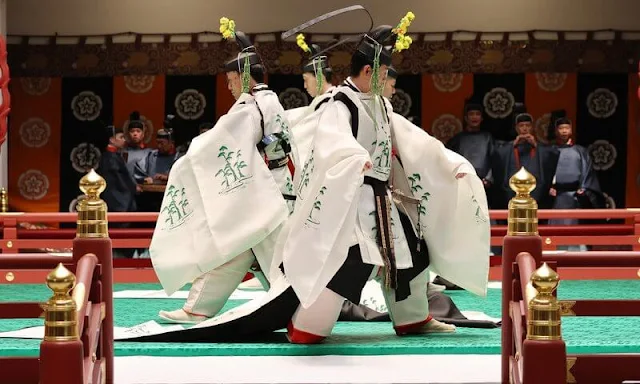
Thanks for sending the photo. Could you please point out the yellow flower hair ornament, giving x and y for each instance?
(301, 43)
(402, 41)
(227, 28)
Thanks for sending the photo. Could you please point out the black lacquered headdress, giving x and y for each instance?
(247, 57)
(373, 44)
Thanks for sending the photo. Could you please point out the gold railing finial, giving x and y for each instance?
(92, 210)
(61, 321)
(523, 209)
(543, 317)
(4, 201)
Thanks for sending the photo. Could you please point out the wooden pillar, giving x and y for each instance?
(92, 236)
(522, 236)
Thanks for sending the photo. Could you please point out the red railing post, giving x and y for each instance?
(61, 352)
(522, 236)
(9, 235)
(544, 352)
(636, 232)
(92, 236)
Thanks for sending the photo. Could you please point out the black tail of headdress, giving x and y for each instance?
(327, 16)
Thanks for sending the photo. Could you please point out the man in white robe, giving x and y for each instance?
(316, 75)
(373, 237)
(210, 291)
(348, 226)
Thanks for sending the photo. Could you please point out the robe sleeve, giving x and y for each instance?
(550, 156)
(141, 169)
(497, 195)
(120, 192)
(588, 177)
(490, 150)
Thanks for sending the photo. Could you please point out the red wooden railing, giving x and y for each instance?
(535, 363)
(87, 358)
(78, 344)
(14, 238)
(533, 351)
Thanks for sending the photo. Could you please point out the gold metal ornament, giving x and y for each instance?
(61, 320)
(523, 209)
(543, 318)
(92, 210)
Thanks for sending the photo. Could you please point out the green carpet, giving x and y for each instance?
(582, 334)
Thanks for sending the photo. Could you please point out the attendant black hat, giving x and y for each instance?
(557, 118)
(472, 105)
(105, 132)
(167, 131)
(135, 121)
(520, 114)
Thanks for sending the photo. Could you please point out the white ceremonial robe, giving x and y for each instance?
(313, 244)
(334, 207)
(455, 216)
(221, 200)
(304, 121)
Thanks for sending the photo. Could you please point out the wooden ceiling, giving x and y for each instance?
(99, 17)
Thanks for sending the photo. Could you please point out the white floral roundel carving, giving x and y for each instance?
(33, 184)
(498, 103)
(35, 132)
(73, 206)
(602, 103)
(35, 86)
(147, 130)
(551, 82)
(190, 104)
(603, 155)
(139, 83)
(447, 82)
(84, 157)
(445, 127)
(86, 106)
(542, 127)
(293, 98)
(401, 102)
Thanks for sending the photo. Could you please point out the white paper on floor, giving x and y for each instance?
(373, 298)
(495, 285)
(479, 316)
(119, 333)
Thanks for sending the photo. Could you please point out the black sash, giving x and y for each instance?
(353, 110)
(326, 99)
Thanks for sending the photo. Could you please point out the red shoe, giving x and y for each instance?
(296, 336)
